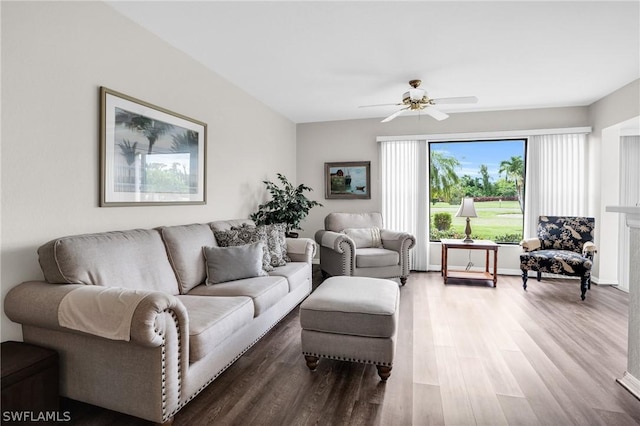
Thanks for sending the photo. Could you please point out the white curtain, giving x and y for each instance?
(556, 178)
(405, 189)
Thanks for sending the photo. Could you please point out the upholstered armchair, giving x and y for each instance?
(564, 246)
(357, 244)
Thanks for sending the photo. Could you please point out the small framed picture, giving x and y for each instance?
(149, 155)
(348, 180)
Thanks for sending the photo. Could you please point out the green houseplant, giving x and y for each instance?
(288, 205)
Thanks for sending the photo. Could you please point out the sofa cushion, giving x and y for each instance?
(214, 319)
(237, 236)
(296, 273)
(374, 257)
(135, 259)
(233, 263)
(265, 291)
(365, 237)
(184, 247)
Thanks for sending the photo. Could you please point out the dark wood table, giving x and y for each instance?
(486, 245)
(30, 383)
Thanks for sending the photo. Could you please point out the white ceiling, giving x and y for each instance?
(319, 61)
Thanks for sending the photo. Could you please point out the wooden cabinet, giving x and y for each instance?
(30, 391)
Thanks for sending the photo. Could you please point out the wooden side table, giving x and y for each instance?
(486, 245)
(29, 381)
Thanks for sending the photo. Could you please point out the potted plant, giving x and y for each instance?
(288, 205)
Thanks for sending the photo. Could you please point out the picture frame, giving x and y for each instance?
(149, 156)
(348, 180)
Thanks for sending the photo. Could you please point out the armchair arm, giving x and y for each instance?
(589, 249)
(340, 243)
(397, 241)
(36, 303)
(301, 249)
(530, 244)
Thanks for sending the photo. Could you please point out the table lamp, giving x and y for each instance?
(467, 209)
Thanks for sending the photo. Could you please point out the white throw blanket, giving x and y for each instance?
(101, 311)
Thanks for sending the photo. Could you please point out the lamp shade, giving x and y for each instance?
(467, 209)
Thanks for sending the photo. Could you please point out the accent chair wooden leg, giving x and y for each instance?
(167, 422)
(525, 277)
(312, 362)
(583, 287)
(403, 280)
(539, 276)
(384, 372)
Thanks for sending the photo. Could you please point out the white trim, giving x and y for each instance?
(486, 135)
(630, 383)
(629, 132)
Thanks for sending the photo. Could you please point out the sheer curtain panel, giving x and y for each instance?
(404, 183)
(555, 178)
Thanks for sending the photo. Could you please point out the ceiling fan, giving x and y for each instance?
(416, 99)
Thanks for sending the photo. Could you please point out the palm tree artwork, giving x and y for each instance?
(514, 172)
(187, 142)
(128, 151)
(150, 128)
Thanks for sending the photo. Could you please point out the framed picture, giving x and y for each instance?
(149, 156)
(349, 180)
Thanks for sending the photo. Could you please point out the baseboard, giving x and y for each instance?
(630, 383)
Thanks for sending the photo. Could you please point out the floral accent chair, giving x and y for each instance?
(564, 246)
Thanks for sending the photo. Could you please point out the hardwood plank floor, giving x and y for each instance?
(466, 355)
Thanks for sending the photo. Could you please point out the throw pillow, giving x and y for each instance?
(246, 235)
(233, 263)
(365, 237)
(277, 243)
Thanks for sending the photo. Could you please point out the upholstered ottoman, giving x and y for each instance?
(351, 319)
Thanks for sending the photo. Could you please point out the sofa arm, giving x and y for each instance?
(301, 249)
(589, 249)
(530, 244)
(36, 303)
(340, 243)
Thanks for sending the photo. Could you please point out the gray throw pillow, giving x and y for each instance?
(233, 263)
(246, 235)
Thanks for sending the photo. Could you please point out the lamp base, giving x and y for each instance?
(467, 232)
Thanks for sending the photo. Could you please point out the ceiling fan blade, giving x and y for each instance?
(394, 115)
(377, 105)
(458, 100)
(438, 115)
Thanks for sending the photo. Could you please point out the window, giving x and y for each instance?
(490, 171)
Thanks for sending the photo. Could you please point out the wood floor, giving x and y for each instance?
(467, 355)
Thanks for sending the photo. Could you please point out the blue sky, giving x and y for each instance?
(472, 154)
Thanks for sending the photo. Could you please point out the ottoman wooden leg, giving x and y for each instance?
(384, 372)
(312, 362)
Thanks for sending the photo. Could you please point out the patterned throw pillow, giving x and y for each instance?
(246, 235)
(277, 242)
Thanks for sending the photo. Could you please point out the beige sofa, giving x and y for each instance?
(181, 334)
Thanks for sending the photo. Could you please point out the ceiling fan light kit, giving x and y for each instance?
(416, 99)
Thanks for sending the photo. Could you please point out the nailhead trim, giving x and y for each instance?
(166, 416)
(386, 364)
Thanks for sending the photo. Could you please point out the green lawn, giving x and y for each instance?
(495, 219)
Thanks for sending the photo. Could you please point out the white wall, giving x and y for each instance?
(355, 140)
(55, 55)
(608, 117)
